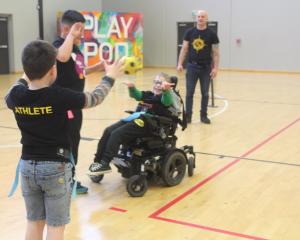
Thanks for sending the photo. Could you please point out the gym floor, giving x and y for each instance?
(245, 184)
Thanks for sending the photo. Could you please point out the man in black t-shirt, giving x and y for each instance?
(200, 45)
(71, 71)
(40, 110)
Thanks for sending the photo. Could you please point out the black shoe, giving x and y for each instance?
(97, 169)
(205, 120)
(80, 189)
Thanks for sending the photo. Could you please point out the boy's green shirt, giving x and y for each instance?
(166, 98)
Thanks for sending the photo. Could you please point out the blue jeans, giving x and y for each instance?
(193, 73)
(46, 188)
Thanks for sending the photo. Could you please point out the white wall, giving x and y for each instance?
(268, 29)
(25, 25)
(270, 34)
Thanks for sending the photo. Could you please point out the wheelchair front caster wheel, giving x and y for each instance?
(137, 186)
(96, 179)
(191, 166)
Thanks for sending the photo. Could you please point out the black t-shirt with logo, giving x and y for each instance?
(200, 45)
(42, 118)
(71, 74)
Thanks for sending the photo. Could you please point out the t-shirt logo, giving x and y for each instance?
(43, 110)
(79, 64)
(198, 44)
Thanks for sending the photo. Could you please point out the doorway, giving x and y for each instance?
(4, 47)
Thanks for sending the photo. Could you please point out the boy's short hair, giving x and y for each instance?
(71, 16)
(165, 76)
(37, 58)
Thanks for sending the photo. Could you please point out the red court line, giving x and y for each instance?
(155, 215)
(191, 190)
(270, 138)
(118, 209)
(210, 228)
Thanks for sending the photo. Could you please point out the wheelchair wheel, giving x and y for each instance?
(191, 166)
(96, 179)
(173, 168)
(137, 186)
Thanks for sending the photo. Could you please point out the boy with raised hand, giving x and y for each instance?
(155, 102)
(40, 110)
(71, 72)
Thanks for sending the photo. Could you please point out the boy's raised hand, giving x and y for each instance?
(166, 85)
(116, 69)
(76, 30)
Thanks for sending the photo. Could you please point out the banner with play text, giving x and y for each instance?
(111, 35)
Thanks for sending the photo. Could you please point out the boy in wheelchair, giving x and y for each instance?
(157, 102)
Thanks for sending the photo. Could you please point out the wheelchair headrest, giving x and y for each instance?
(174, 79)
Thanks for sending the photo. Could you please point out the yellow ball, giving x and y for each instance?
(132, 65)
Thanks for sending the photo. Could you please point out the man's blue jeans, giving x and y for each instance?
(193, 73)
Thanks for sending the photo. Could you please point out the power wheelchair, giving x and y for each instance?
(155, 157)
